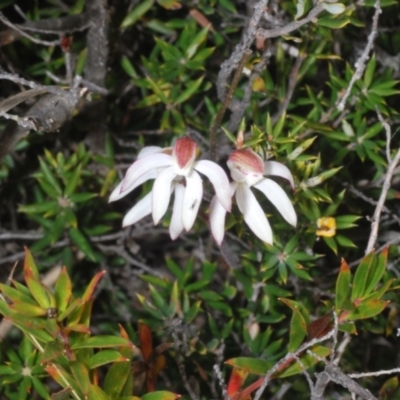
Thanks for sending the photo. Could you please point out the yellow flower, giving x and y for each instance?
(326, 226)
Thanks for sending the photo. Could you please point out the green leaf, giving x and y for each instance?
(251, 365)
(101, 341)
(333, 23)
(298, 331)
(96, 393)
(83, 244)
(361, 276)
(105, 357)
(50, 177)
(28, 309)
(192, 88)
(161, 395)
(307, 361)
(41, 293)
(137, 13)
(376, 272)
(118, 380)
(370, 71)
(73, 180)
(342, 286)
(16, 295)
(196, 42)
(368, 309)
(63, 291)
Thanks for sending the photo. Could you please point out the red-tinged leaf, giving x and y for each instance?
(361, 276)
(101, 342)
(28, 309)
(388, 388)
(320, 327)
(77, 328)
(40, 293)
(63, 291)
(307, 361)
(92, 286)
(245, 394)
(29, 264)
(342, 286)
(63, 378)
(145, 339)
(250, 365)
(162, 395)
(159, 364)
(16, 295)
(106, 357)
(81, 375)
(368, 309)
(236, 381)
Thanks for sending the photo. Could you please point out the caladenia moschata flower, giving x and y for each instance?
(249, 170)
(175, 170)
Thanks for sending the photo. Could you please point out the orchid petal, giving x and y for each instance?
(253, 213)
(162, 193)
(278, 169)
(192, 199)
(149, 150)
(176, 225)
(144, 166)
(217, 220)
(139, 211)
(277, 196)
(219, 180)
(118, 194)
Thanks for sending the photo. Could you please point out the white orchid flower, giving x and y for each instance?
(174, 170)
(248, 170)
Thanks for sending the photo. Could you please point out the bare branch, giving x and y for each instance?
(360, 64)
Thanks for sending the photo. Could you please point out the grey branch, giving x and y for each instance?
(360, 64)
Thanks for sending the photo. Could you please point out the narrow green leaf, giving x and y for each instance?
(83, 244)
(63, 291)
(73, 180)
(361, 276)
(298, 331)
(192, 88)
(370, 71)
(137, 13)
(342, 286)
(16, 295)
(50, 177)
(251, 365)
(105, 357)
(376, 273)
(101, 341)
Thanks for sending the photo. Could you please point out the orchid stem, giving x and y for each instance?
(217, 121)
